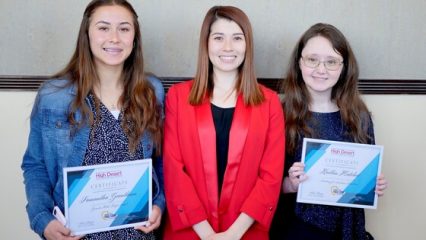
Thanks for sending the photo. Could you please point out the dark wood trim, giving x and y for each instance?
(366, 86)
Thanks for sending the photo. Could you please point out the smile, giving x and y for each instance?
(113, 50)
(320, 78)
(227, 58)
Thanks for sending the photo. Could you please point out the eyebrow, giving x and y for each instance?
(220, 33)
(108, 23)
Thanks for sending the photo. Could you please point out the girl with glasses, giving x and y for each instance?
(321, 100)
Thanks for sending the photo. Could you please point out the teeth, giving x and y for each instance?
(227, 57)
(112, 49)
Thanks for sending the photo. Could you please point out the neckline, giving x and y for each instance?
(222, 108)
(320, 113)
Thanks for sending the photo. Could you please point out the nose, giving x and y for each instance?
(227, 45)
(321, 67)
(114, 38)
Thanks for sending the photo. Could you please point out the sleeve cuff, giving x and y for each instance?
(263, 215)
(40, 222)
(160, 202)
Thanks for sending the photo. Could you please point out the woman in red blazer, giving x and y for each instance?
(224, 140)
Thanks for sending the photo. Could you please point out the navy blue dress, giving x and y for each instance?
(299, 221)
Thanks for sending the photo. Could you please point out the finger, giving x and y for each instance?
(303, 177)
(293, 175)
(380, 190)
(298, 165)
(61, 230)
(145, 229)
(382, 184)
(297, 174)
(65, 231)
(380, 193)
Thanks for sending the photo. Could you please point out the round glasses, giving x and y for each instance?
(331, 64)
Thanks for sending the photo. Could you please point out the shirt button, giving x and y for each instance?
(271, 208)
(58, 124)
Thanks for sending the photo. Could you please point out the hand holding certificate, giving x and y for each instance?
(107, 196)
(340, 173)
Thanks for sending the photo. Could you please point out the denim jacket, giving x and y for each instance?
(51, 148)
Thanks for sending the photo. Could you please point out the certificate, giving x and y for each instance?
(340, 173)
(107, 196)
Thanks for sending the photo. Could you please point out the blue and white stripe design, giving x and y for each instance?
(135, 208)
(108, 196)
(361, 189)
(340, 173)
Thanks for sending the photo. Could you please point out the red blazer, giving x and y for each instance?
(252, 180)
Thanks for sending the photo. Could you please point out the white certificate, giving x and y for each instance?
(340, 173)
(107, 196)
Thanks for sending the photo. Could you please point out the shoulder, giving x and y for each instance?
(157, 85)
(270, 95)
(55, 86)
(56, 93)
(182, 88)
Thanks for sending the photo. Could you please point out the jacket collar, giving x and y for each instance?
(207, 137)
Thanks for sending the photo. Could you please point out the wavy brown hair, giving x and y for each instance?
(247, 83)
(141, 111)
(296, 100)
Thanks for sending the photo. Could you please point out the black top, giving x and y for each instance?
(222, 118)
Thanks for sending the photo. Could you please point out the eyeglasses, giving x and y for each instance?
(331, 64)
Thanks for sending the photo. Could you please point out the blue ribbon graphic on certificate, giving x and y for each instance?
(107, 196)
(340, 173)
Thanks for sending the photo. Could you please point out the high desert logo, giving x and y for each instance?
(109, 174)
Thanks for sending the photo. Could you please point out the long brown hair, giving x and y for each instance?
(296, 100)
(141, 112)
(247, 83)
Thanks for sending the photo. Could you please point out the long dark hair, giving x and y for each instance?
(141, 111)
(297, 99)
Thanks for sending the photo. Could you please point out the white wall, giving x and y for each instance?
(399, 123)
(14, 124)
(387, 36)
(400, 126)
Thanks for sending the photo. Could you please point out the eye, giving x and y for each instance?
(238, 38)
(125, 29)
(103, 28)
(313, 60)
(217, 38)
(332, 62)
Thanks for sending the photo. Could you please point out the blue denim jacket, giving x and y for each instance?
(50, 148)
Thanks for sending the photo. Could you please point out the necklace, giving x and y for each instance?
(110, 106)
(113, 107)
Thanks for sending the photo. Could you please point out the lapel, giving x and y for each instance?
(237, 140)
(207, 138)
